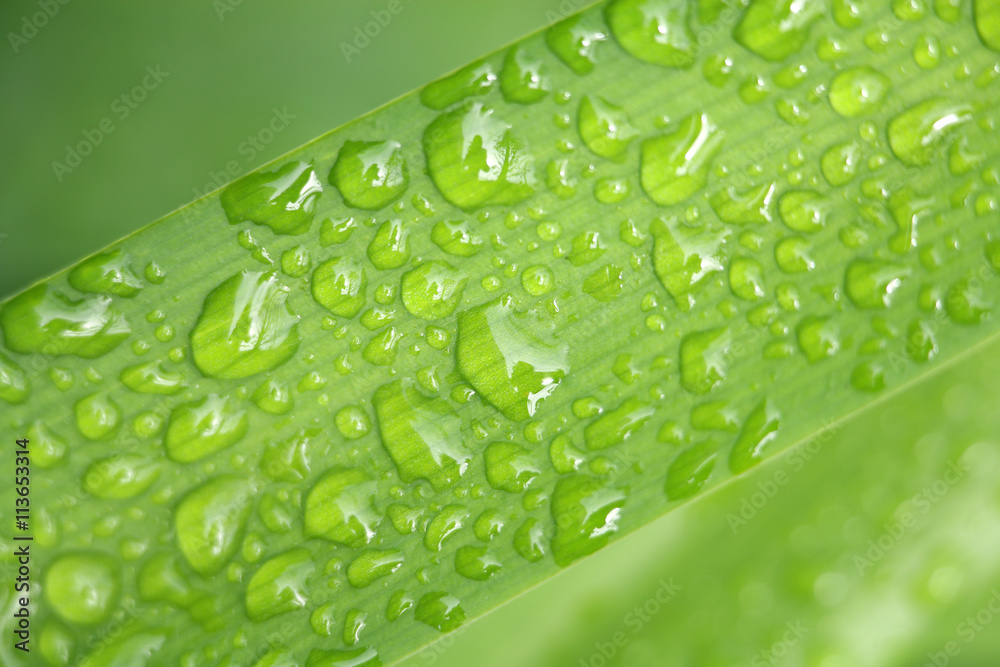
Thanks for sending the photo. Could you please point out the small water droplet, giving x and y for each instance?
(675, 166)
(201, 428)
(280, 585)
(210, 521)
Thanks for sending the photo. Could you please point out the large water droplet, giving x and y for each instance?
(280, 585)
(523, 79)
(684, 258)
(372, 565)
(98, 416)
(109, 272)
(475, 159)
(447, 522)
(777, 29)
(43, 320)
(355, 657)
(476, 563)
(605, 128)
(586, 513)
(915, 135)
(509, 467)
(704, 359)
(14, 384)
(752, 207)
(82, 587)
(203, 427)
(441, 611)
(691, 469)
(422, 435)
(340, 507)
(370, 174)
(759, 430)
(152, 378)
(470, 81)
(818, 338)
(339, 285)
(245, 327)
(210, 520)
(616, 426)
(456, 238)
(575, 44)
(987, 17)
(120, 476)
(676, 165)
(508, 365)
(390, 247)
(654, 31)
(284, 199)
(858, 92)
(432, 290)
(871, 283)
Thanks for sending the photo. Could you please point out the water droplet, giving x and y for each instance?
(987, 18)
(654, 31)
(804, 210)
(210, 520)
(538, 280)
(390, 247)
(201, 428)
(432, 290)
(82, 587)
(279, 586)
(398, 604)
(14, 384)
(868, 376)
(605, 284)
(523, 79)
(616, 426)
(587, 246)
(48, 448)
(793, 255)
(575, 44)
(288, 460)
(704, 359)
(352, 421)
(339, 285)
(152, 378)
(381, 349)
(296, 262)
(777, 29)
(441, 611)
(818, 338)
(752, 207)
(758, 432)
(475, 159)
(605, 128)
(372, 565)
(966, 303)
(422, 435)
(871, 283)
(509, 467)
(334, 232)
(840, 163)
(476, 563)
(449, 520)
(370, 174)
(509, 366)
(714, 416)
(340, 507)
(43, 320)
(529, 540)
(273, 397)
(488, 525)
(98, 416)
(859, 91)
(689, 472)
(470, 81)
(284, 199)
(586, 513)
(120, 476)
(456, 238)
(559, 180)
(916, 134)
(685, 258)
(109, 272)
(358, 657)
(921, 341)
(676, 165)
(245, 327)
(354, 623)
(746, 278)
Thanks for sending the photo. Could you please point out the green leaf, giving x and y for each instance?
(545, 299)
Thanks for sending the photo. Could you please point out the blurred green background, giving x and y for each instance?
(229, 65)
